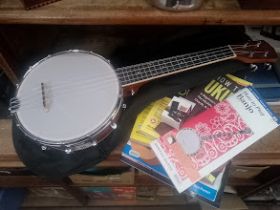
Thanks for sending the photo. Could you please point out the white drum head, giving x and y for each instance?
(81, 92)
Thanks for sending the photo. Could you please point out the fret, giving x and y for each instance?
(195, 58)
(138, 72)
(155, 63)
(148, 71)
(173, 64)
(161, 61)
(124, 80)
(169, 67)
(130, 75)
(182, 64)
(121, 77)
(146, 75)
(164, 68)
(156, 67)
(177, 64)
(153, 70)
(213, 57)
(126, 73)
(149, 67)
(204, 58)
(188, 61)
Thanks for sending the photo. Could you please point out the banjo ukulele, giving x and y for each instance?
(71, 100)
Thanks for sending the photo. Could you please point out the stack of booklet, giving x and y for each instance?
(187, 141)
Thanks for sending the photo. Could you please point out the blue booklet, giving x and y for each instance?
(270, 94)
(266, 82)
(205, 190)
(263, 78)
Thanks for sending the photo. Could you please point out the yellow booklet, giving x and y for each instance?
(138, 136)
(143, 131)
(152, 119)
(239, 81)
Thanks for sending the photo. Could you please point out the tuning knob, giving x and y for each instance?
(266, 54)
(254, 67)
(267, 66)
(251, 55)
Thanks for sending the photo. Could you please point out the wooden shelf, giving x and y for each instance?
(49, 202)
(36, 181)
(134, 12)
(140, 180)
(162, 202)
(25, 181)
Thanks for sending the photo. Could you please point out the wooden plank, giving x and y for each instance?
(25, 181)
(8, 70)
(11, 164)
(134, 12)
(7, 150)
(47, 202)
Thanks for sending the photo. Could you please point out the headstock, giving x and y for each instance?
(255, 52)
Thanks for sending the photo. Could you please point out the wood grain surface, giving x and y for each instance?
(133, 12)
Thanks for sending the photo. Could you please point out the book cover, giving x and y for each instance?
(151, 118)
(270, 94)
(144, 159)
(213, 137)
(201, 98)
(215, 91)
(137, 136)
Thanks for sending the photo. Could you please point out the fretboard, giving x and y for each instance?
(163, 67)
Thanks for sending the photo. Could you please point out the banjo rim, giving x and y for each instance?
(107, 123)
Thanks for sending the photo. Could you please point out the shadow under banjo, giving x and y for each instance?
(71, 100)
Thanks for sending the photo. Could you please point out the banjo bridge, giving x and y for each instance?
(45, 97)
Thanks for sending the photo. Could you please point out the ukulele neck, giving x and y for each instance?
(147, 71)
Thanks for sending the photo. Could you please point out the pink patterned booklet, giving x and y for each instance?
(213, 137)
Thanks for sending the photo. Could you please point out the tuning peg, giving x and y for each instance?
(245, 45)
(267, 66)
(266, 54)
(251, 54)
(253, 67)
